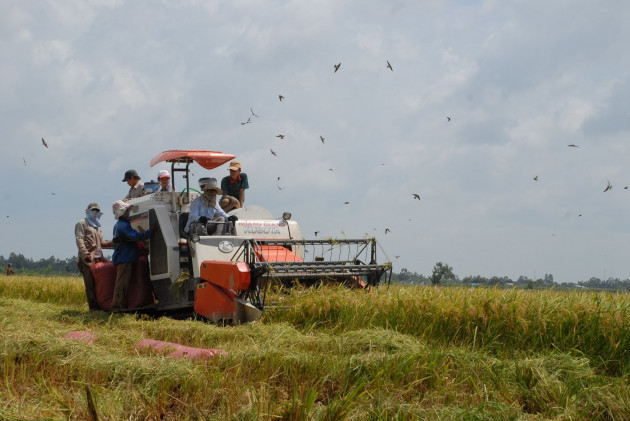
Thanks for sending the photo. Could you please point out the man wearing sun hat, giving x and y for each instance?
(90, 242)
(233, 187)
(126, 252)
(165, 181)
(205, 215)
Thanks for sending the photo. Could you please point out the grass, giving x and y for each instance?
(325, 354)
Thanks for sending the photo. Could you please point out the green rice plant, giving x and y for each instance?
(328, 353)
(496, 320)
(49, 289)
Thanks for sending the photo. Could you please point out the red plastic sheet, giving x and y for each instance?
(181, 351)
(81, 335)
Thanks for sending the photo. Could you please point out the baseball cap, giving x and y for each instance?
(129, 174)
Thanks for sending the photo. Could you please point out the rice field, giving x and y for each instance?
(322, 354)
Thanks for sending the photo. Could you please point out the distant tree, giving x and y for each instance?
(548, 280)
(441, 272)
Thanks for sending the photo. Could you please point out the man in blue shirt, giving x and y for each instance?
(233, 187)
(205, 215)
(126, 252)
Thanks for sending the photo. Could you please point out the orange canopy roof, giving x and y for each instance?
(207, 159)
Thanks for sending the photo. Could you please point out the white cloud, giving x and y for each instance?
(51, 51)
(112, 83)
(131, 88)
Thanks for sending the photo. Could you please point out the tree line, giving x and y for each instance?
(442, 274)
(51, 266)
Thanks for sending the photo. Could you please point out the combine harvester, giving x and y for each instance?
(225, 277)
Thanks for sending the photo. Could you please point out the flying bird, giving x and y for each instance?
(273, 152)
(416, 196)
(249, 120)
(280, 188)
(448, 118)
(280, 97)
(53, 193)
(336, 66)
(322, 138)
(573, 146)
(316, 232)
(253, 112)
(346, 203)
(281, 136)
(386, 230)
(389, 66)
(608, 187)
(535, 178)
(396, 257)
(330, 169)
(44, 142)
(24, 159)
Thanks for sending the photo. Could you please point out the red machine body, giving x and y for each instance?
(216, 298)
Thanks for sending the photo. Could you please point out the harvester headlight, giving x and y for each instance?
(286, 216)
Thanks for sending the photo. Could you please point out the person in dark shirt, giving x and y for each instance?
(233, 187)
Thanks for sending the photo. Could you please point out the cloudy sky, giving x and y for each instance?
(109, 84)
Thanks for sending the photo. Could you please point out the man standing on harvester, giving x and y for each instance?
(126, 252)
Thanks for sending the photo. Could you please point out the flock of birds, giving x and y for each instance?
(415, 196)
(282, 136)
(608, 185)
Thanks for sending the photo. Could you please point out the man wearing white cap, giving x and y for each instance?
(90, 243)
(165, 181)
(126, 252)
(205, 215)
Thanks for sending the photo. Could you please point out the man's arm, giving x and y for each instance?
(244, 185)
(220, 212)
(133, 235)
(105, 244)
(193, 214)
